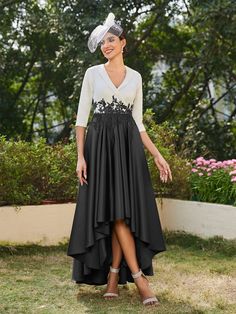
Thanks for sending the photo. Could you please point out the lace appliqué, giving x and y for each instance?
(115, 106)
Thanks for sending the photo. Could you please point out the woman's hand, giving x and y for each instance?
(163, 167)
(81, 170)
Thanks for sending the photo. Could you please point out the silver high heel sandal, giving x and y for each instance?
(146, 301)
(112, 294)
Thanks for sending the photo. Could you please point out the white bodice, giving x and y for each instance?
(99, 92)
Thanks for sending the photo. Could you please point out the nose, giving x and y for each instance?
(105, 46)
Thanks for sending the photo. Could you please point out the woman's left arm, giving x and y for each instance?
(137, 114)
(161, 163)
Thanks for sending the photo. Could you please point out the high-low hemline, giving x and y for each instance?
(119, 187)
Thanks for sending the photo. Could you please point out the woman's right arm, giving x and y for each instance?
(84, 108)
(81, 168)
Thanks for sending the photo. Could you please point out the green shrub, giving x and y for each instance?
(63, 180)
(32, 172)
(164, 138)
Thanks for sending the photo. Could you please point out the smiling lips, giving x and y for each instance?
(108, 50)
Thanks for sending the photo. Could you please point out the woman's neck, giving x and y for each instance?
(115, 63)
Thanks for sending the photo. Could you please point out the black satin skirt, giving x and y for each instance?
(119, 187)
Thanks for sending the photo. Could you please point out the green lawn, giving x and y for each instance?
(192, 276)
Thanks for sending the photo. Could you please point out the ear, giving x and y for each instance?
(123, 41)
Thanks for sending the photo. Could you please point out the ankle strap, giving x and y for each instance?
(138, 274)
(114, 270)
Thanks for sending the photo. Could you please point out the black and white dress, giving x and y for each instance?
(119, 182)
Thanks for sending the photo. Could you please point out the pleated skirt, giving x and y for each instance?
(119, 187)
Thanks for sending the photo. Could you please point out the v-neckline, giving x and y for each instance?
(109, 79)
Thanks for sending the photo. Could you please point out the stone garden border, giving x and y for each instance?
(51, 224)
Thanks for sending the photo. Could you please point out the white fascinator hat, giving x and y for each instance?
(100, 31)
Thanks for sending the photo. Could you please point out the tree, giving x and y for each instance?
(185, 52)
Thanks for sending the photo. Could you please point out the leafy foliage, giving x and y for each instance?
(32, 172)
(185, 52)
(164, 138)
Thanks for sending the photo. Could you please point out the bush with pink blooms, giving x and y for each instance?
(214, 181)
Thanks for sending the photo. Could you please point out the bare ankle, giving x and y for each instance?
(115, 266)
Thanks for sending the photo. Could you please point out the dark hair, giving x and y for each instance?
(123, 36)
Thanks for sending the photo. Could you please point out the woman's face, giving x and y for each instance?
(111, 45)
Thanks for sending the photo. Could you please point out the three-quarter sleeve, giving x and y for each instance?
(137, 111)
(85, 100)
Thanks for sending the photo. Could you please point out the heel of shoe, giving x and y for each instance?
(112, 294)
(150, 300)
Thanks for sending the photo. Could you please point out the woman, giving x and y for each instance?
(116, 229)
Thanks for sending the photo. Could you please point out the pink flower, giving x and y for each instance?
(200, 158)
(225, 162)
(212, 160)
(214, 164)
(201, 166)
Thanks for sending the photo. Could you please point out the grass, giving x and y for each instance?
(194, 275)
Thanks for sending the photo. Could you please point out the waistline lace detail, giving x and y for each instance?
(116, 106)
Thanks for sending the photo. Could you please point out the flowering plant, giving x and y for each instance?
(214, 181)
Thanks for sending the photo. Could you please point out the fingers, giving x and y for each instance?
(85, 173)
(165, 172)
(169, 172)
(79, 175)
(163, 176)
(84, 181)
(82, 175)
